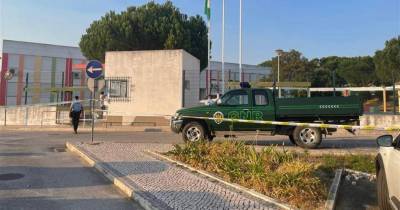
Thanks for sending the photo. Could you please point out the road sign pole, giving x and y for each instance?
(92, 111)
(94, 69)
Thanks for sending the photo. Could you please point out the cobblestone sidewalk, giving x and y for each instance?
(164, 185)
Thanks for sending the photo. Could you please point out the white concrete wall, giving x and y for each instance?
(380, 120)
(156, 81)
(28, 115)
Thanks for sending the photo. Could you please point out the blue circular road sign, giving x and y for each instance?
(94, 69)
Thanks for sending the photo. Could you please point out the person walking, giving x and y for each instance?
(76, 111)
(103, 99)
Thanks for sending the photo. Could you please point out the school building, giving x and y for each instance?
(43, 73)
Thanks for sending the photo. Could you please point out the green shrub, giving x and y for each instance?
(274, 172)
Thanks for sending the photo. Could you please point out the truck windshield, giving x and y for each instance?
(235, 98)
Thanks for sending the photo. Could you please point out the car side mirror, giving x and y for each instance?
(219, 101)
(385, 141)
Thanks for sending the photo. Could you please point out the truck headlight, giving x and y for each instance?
(176, 116)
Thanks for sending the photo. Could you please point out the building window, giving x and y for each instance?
(236, 78)
(202, 94)
(187, 84)
(76, 75)
(118, 88)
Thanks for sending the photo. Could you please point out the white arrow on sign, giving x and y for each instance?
(91, 69)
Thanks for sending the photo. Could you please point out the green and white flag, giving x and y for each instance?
(207, 10)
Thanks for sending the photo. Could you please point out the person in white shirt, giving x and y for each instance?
(76, 110)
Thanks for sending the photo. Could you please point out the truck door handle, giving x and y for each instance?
(245, 109)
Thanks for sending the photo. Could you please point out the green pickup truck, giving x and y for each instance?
(261, 104)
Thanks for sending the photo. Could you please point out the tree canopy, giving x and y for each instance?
(382, 69)
(149, 27)
(292, 67)
(357, 71)
(387, 61)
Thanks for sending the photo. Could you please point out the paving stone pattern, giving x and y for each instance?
(165, 185)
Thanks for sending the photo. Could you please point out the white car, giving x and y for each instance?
(388, 172)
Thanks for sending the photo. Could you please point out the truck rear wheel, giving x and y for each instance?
(193, 132)
(309, 138)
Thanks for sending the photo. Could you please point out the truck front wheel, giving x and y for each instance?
(193, 132)
(309, 138)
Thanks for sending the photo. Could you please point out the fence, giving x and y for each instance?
(50, 114)
(54, 114)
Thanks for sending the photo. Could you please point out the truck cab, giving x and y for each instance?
(206, 122)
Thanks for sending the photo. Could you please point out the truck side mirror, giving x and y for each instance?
(219, 101)
(385, 141)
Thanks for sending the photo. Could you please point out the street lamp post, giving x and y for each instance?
(279, 53)
(240, 43)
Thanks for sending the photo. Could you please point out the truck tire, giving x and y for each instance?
(308, 138)
(382, 190)
(193, 132)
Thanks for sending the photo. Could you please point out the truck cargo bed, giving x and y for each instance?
(321, 107)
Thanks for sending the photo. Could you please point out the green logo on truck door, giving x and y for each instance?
(218, 117)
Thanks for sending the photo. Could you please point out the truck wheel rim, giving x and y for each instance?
(193, 134)
(307, 135)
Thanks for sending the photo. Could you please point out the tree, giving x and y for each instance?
(357, 71)
(149, 27)
(387, 61)
(320, 77)
(267, 63)
(292, 67)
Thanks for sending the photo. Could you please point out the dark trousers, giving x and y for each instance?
(75, 120)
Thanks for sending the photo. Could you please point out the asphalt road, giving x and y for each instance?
(59, 180)
(51, 180)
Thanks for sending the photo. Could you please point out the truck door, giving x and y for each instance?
(263, 109)
(234, 105)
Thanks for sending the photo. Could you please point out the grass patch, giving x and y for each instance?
(364, 163)
(297, 178)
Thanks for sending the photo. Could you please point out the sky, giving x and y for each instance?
(317, 28)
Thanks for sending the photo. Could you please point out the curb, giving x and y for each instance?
(333, 191)
(120, 183)
(234, 186)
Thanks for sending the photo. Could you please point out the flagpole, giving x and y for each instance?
(209, 52)
(240, 43)
(223, 47)
(209, 59)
